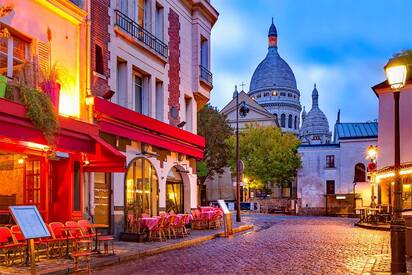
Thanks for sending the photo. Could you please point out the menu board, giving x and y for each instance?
(223, 206)
(30, 221)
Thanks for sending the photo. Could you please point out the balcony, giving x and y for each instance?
(138, 33)
(205, 75)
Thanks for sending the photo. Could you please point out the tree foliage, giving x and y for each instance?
(215, 128)
(269, 156)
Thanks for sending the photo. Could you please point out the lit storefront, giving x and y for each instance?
(161, 164)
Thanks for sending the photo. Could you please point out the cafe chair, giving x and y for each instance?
(10, 248)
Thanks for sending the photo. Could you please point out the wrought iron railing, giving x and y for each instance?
(139, 33)
(206, 75)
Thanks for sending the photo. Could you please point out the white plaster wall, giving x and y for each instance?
(352, 152)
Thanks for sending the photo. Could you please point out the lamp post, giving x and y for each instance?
(372, 154)
(243, 110)
(396, 71)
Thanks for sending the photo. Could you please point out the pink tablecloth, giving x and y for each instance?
(207, 214)
(207, 208)
(149, 222)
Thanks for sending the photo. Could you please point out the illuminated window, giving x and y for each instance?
(141, 190)
(174, 192)
(274, 93)
(99, 67)
(14, 53)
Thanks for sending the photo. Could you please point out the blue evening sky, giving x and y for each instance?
(342, 45)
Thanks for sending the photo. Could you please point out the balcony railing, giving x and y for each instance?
(139, 33)
(205, 75)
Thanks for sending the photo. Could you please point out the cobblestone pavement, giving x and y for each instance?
(278, 245)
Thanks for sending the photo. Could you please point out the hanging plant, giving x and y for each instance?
(40, 111)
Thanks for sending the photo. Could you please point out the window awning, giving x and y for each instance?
(106, 158)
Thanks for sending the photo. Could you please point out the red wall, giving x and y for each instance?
(174, 65)
(100, 22)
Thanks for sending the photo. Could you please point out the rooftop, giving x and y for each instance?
(356, 130)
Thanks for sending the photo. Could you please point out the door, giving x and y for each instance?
(330, 187)
(102, 198)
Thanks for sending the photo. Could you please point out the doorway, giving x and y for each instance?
(174, 192)
(102, 198)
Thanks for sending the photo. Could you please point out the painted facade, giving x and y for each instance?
(156, 71)
(385, 173)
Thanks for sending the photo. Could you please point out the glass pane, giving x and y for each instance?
(19, 55)
(138, 94)
(3, 56)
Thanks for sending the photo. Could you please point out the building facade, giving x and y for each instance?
(385, 173)
(333, 178)
(34, 169)
(150, 74)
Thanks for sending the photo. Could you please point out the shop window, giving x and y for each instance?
(330, 187)
(102, 190)
(174, 191)
(76, 186)
(99, 67)
(141, 185)
(283, 121)
(360, 172)
(14, 53)
(32, 181)
(330, 161)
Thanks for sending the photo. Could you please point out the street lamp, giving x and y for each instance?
(243, 111)
(396, 73)
(372, 155)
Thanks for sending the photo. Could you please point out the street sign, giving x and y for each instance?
(30, 221)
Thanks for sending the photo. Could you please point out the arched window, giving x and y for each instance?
(296, 122)
(283, 120)
(360, 172)
(290, 121)
(174, 191)
(141, 184)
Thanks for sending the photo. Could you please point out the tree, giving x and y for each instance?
(269, 156)
(215, 128)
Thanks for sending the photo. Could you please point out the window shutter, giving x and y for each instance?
(43, 55)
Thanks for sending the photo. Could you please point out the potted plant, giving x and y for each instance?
(3, 85)
(50, 84)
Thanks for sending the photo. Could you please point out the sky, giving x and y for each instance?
(341, 45)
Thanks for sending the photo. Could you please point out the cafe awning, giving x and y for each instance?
(106, 158)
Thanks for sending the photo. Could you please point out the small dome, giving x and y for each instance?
(315, 122)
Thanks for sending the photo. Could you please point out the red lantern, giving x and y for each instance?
(372, 167)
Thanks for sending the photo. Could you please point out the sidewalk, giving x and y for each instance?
(126, 251)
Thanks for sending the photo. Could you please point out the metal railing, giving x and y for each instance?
(139, 33)
(206, 75)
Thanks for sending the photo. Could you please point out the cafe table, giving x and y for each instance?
(97, 226)
(149, 222)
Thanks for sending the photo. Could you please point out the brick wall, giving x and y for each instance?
(174, 67)
(100, 21)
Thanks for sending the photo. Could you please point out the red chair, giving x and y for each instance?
(80, 241)
(216, 221)
(181, 226)
(62, 239)
(10, 249)
(159, 231)
(88, 230)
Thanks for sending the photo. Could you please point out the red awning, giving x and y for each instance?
(106, 159)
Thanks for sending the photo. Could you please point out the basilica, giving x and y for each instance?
(333, 168)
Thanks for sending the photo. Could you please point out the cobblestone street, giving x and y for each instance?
(278, 245)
